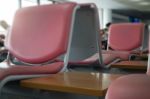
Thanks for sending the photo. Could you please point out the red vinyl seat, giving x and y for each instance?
(125, 39)
(125, 36)
(38, 35)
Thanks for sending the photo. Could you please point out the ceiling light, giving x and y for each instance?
(144, 3)
(135, 0)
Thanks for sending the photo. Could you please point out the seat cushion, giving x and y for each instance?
(109, 58)
(94, 59)
(136, 86)
(123, 55)
(6, 70)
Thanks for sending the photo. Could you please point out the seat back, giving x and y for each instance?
(125, 36)
(41, 33)
(85, 33)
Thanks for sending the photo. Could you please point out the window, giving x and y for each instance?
(45, 2)
(7, 11)
(26, 3)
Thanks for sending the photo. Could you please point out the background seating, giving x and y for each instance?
(124, 39)
(135, 86)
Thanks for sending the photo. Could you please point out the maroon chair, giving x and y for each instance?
(38, 35)
(134, 86)
(125, 40)
(125, 36)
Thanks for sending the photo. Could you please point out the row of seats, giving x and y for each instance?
(47, 38)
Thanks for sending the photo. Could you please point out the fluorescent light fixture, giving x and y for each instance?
(135, 0)
(144, 3)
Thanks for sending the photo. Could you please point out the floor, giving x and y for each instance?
(13, 91)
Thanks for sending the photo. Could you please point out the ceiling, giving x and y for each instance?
(133, 13)
(135, 8)
(142, 5)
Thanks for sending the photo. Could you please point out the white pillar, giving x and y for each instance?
(107, 16)
(100, 12)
